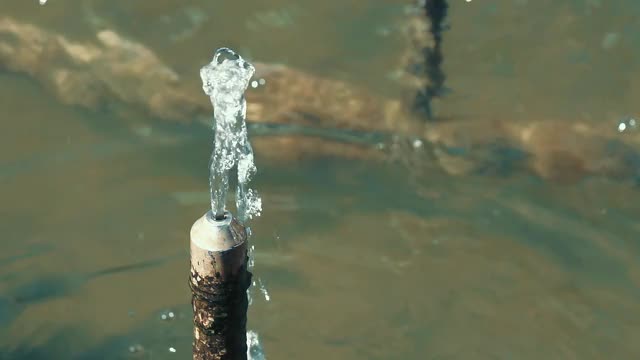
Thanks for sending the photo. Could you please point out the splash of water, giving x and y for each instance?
(225, 80)
(254, 348)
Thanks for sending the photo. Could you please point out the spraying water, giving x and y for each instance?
(225, 80)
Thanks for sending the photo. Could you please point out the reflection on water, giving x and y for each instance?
(507, 231)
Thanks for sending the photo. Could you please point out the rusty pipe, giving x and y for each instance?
(219, 280)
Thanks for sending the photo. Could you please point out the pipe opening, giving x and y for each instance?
(220, 217)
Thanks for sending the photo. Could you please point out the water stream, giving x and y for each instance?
(225, 79)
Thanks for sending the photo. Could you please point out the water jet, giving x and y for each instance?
(220, 277)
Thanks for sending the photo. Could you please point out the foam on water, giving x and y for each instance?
(225, 80)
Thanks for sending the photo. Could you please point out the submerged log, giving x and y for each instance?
(114, 71)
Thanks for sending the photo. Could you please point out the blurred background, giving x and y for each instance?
(503, 228)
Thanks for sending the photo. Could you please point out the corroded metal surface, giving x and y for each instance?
(219, 281)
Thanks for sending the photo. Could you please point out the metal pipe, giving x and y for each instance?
(219, 281)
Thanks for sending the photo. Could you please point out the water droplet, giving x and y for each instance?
(254, 84)
(627, 124)
(262, 81)
(172, 349)
(167, 315)
(417, 143)
(143, 131)
(383, 31)
(251, 262)
(263, 290)
(610, 40)
(136, 348)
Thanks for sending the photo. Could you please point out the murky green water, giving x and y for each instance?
(362, 259)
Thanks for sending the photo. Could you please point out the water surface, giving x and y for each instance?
(362, 259)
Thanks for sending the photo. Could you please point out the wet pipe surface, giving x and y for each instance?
(220, 317)
(220, 306)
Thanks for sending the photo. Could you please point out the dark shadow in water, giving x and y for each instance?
(154, 339)
(501, 159)
(40, 249)
(560, 234)
(16, 300)
(58, 346)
